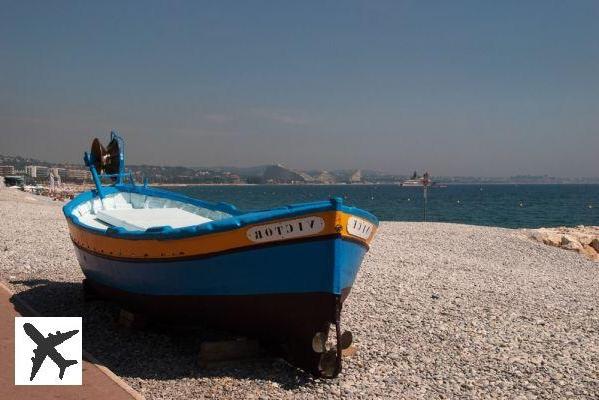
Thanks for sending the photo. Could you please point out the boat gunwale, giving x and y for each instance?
(238, 218)
(237, 249)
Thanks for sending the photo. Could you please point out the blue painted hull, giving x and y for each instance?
(261, 274)
(282, 294)
(326, 265)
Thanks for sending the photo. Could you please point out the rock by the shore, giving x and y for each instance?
(582, 239)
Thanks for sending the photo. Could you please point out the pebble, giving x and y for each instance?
(517, 318)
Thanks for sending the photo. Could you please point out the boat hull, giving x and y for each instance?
(316, 265)
(279, 275)
(281, 294)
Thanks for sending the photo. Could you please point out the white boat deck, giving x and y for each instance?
(140, 219)
(139, 212)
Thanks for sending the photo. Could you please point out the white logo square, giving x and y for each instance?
(48, 351)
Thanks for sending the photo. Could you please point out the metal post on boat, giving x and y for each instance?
(131, 179)
(95, 176)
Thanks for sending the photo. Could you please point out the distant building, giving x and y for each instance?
(233, 178)
(43, 172)
(59, 172)
(7, 170)
(77, 174)
(36, 171)
(31, 170)
(356, 177)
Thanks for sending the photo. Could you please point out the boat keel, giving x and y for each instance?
(293, 326)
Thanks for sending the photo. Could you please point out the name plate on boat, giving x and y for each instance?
(359, 227)
(286, 230)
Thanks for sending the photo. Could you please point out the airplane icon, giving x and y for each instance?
(46, 347)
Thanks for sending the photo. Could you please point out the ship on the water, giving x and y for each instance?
(280, 275)
(417, 181)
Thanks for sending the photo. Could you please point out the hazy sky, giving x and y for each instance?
(483, 88)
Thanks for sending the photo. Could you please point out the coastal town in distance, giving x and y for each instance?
(19, 170)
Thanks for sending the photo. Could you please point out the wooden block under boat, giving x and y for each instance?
(216, 353)
(130, 320)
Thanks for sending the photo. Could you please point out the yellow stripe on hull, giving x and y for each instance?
(333, 222)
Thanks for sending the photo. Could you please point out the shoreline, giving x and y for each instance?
(528, 228)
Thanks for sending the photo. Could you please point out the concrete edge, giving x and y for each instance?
(88, 356)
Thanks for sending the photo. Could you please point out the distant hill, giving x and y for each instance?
(166, 174)
(20, 162)
(325, 177)
(243, 172)
(281, 174)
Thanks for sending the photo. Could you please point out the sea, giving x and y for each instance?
(510, 206)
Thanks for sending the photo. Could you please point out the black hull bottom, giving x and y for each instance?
(289, 321)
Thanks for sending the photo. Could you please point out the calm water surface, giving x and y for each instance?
(512, 206)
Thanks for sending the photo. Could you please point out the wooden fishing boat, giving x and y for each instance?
(280, 275)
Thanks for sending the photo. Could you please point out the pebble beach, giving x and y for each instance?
(438, 311)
